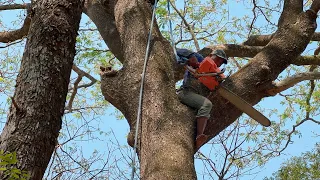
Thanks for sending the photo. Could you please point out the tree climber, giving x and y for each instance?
(194, 90)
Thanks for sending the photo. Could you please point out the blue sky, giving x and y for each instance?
(109, 121)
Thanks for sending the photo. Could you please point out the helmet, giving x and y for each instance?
(220, 53)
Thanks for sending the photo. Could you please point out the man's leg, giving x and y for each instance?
(201, 125)
(204, 106)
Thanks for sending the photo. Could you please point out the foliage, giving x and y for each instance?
(306, 166)
(7, 166)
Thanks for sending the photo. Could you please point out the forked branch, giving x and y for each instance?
(76, 86)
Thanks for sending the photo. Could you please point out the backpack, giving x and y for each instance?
(184, 54)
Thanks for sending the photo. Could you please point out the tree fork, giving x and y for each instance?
(252, 80)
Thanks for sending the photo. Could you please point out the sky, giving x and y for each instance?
(110, 123)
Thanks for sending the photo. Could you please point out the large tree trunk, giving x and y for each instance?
(166, 148)
(38, 104)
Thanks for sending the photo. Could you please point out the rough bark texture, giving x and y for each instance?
(34, 120)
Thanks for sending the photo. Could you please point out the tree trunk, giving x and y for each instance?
(167, 137)
(38, 104)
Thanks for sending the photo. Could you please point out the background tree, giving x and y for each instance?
(167, 128)
(37, 106)
(305, 166)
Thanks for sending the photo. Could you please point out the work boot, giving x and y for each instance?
(201, 138)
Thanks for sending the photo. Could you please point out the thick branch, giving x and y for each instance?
(262, 40)
(112, 90)
(291, 81)
(10, 36)
(291, 10)
(233, 50)
(307, 60)
(13, 6)
(102, 16)
(315, 6)
(258, 40)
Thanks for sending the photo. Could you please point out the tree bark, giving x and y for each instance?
(35, 116)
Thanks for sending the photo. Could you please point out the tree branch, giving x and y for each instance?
(315, 6)
(188, 27)
(76, 86)
(10, 36)
(254, 15)
(83, 73)
(10, 44)
(312, 86)
(233, 50)
(291, 81)
(112, 90)
(262, 40)
(102, 16)
(307, 60)
(14, 6)
(258, 40)
(293, 130)
(308, 108)
(210, 162)
(291, 10)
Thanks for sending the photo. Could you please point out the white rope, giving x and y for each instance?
(141, 93)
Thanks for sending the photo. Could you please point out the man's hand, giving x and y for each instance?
(193, 61)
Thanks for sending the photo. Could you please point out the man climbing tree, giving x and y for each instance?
(193, 91)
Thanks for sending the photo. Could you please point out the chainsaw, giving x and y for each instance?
(214, 82)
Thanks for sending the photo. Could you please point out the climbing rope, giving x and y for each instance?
(141, 92)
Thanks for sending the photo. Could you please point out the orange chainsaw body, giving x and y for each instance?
(208, 66)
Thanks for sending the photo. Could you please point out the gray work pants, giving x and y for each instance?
(194, 100)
